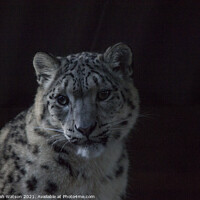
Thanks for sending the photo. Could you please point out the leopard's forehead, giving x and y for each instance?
(83, 71)
(83, 58)
(84, 55)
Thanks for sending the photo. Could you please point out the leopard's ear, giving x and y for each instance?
(119, 58)
(45, 66)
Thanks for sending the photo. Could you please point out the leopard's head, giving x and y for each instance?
(86, 101)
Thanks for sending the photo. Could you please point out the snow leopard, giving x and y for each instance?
(72, 140)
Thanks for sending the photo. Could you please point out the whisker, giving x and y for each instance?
(53, 136)
(116, 129)
(148, 115)
(50, 129)
(56, 142)
(117, 122)
(63, 146)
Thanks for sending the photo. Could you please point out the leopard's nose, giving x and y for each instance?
(86, 130)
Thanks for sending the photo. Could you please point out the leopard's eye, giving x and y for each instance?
(103, 95)
(62, 100)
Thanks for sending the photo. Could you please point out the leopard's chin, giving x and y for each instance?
(90, 150)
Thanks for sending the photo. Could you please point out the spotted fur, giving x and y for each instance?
(72, 140)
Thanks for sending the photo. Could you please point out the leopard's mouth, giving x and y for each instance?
(88, 147)
(89, 142)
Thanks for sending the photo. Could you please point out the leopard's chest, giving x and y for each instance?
(58, 173)
(60, 176)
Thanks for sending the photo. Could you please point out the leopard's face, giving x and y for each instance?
(90, 104)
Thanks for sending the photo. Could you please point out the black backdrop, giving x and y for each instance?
(164, 36)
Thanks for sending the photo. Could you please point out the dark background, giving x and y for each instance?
(164, 36)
